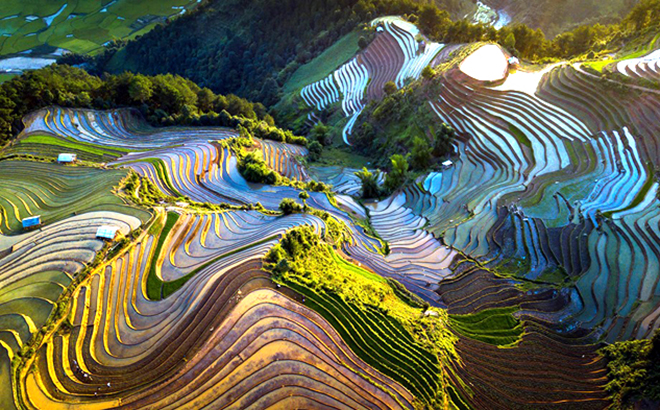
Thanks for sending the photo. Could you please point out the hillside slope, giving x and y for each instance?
(253, 53)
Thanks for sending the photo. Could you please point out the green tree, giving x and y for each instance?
(432, 21)
(205, 99)
(633, 371)
(398, 174)
(444, 138)
(270, 91)
(369, 181)
(529, 43)
(321, 133)
(421, 153)
(289, 206)
(389, 88)
(509, 42)
(363, 43)
(83, 99)
(315, 151)
(140, 88)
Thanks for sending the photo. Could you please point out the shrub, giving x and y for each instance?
(428, 72)
(254, 169)
(389, 88)
(304, 196)
(289, 206)
(244, 137)
(316, 186)
(315, 151)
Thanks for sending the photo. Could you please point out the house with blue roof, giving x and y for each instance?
(107, 232)
(67, 158)
(31, 222)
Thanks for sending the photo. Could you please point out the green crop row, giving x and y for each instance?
(378, 340)
(56, 192)
(495, 326)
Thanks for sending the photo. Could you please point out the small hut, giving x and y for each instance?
(107, 232)
(514, 62)
(67, 158)
(447, 164)
(31, 222)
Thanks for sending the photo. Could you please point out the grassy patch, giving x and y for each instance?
(325, 63)
(6, 77)
(555, 276)
(520, 136)
(154, 284)
(342, 157)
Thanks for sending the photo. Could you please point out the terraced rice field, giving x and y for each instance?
(536, 245)
(50, 147)
(563, 181)
(129, 334)
(36, 269)
(164, 323)
(399, 54)
(647, 66)
(67, 191)
(204, 257)
(553, 185)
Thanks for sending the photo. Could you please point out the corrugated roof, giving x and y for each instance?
(66, 157)
(107, 232)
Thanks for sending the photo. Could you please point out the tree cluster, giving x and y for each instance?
(633, 371)
(254, 52)
(397, 176)
(403, 124)
(289, 206)
(254, 169)
(162, 99)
